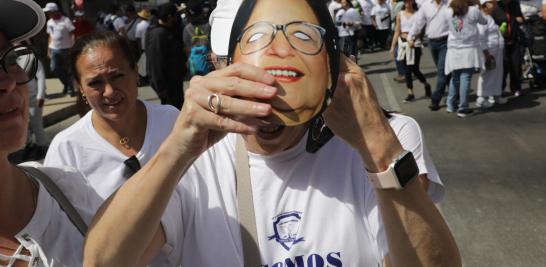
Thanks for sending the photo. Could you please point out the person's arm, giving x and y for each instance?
(544, 9)
(41, 82)
(419, 21)
(127, 222)
(416, 232)
(397, 29)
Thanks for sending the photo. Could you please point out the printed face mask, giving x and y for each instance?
(289, 44)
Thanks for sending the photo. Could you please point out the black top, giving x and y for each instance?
(508, 11)
(165, 59)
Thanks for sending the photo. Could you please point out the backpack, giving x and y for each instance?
(198, 59)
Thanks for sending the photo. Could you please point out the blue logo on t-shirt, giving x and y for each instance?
(286, 226)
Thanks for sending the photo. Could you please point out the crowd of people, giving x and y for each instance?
(487, 38)
(278, 155)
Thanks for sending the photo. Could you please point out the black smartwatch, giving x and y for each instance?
(402, 169)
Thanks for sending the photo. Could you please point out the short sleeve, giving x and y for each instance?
(173, 228)
(411, 137)
(374, 224)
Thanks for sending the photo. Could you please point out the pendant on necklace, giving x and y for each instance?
(124, 141)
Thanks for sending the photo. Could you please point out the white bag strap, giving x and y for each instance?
(247, 218)
(59, 196)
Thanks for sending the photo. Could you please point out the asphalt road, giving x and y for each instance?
(493, 165)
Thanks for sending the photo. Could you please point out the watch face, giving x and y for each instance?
(406, 169)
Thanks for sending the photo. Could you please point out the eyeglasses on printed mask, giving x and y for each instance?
(304, 37)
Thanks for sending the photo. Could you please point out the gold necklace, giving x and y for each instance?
(124, 141)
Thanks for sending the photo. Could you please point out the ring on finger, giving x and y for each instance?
(214, 102)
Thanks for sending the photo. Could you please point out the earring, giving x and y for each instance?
(84, 99)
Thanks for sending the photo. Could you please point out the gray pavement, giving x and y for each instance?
(493, 165)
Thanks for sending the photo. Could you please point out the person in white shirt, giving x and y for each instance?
(142, 27)
(464, 56)
(120, 133)
(34, 230)
(333, 7)
(381, 20)
(432, 14)
(61, 38)
(368, 30)
(348, 22)
(37, 91)
(408, 56)
(311, 207)
(492, 43)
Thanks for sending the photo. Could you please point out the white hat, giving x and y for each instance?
(51, 7)
(20, 19)
(482, 2)
(221, 21)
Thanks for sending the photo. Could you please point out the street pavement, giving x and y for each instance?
(493, 165)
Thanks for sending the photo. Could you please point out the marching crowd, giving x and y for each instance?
(485, 37)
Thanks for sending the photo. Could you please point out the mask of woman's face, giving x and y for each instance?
(302, 79)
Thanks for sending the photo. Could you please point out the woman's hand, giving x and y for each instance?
(198, 128)
(391, 53)
(356, 116)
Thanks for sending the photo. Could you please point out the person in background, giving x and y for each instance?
(196, 38)
(333, 7)
(81, 24)
(83, 27)
(115, 22)
(37, 91)
(61, 38)
(368, 30)
(509, 17)
(492, 43)
(347, 22)
(381, 20)
(464, 55)
(401, 77)
(431, 14)
(543, 9)
(142, 28)
(409, 57)
(131, 22)
(166, 56)
(121, 133)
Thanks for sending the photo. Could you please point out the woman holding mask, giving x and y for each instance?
(121, 133)
(315, 208)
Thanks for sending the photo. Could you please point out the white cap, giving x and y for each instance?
(482, 2)
(221, 21)
(51, 7)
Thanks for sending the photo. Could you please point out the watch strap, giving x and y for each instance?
(384, 180)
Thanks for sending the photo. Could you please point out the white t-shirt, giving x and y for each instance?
(310, 208)
(346, 16)
(333, 6)
(50, 230)
(141, 29)
(366, 6)
(381, 12)
(81, 147)
(131, 28)
(60, 33)
(463, 31)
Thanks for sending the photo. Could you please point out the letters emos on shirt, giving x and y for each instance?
(314, 260)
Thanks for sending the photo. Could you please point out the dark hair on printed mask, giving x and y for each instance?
(96, 39)
(320, 10)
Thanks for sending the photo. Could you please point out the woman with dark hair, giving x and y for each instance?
(381, 20)
(120, 133)
(348, 22)
(255, 119)
(464, 55)
(409, 56)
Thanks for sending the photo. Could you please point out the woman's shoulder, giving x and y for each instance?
(75, 130)
(158, 110)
